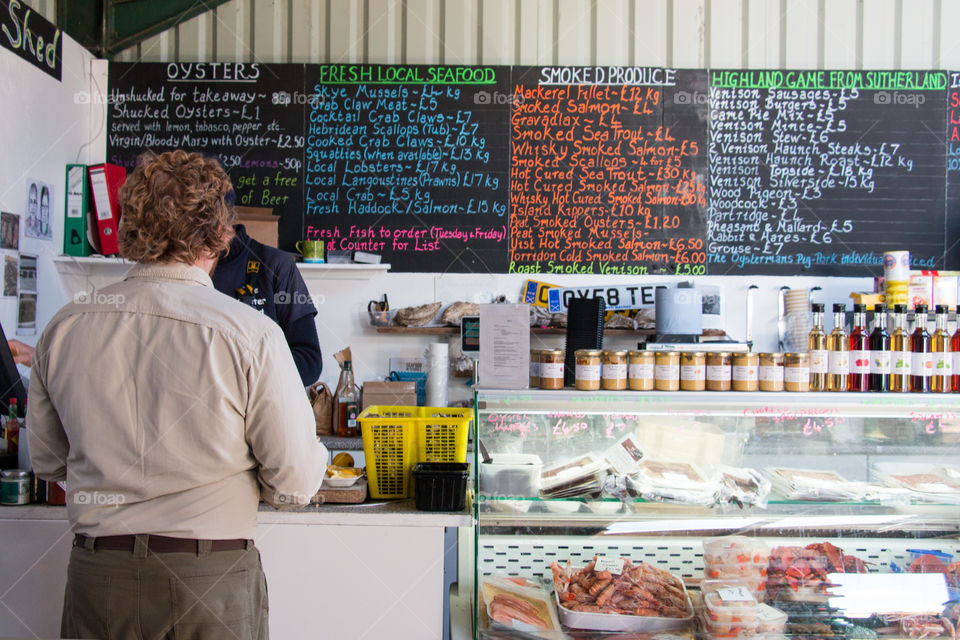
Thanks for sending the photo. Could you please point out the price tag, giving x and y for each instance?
(613, 565)
(734, 594)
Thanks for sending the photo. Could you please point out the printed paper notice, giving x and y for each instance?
(504, 346)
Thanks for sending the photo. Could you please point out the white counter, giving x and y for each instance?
(372, 570)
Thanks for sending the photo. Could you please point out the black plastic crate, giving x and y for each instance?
(440, 486)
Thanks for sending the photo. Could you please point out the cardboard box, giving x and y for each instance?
(260, 222)
(389, 393)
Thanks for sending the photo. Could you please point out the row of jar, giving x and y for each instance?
(614, 370)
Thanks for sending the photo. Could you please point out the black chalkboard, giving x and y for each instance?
(608, 170)
(823, 171)
(248, 115)
(952, 137)
(409, 163)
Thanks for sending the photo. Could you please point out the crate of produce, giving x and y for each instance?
(440, 486)
(390, 448)
(442, 433)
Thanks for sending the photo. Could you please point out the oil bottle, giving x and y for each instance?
(940, 345)
(900, 350)
(839, 352)
(817, 346)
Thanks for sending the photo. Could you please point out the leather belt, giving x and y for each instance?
(158, 544)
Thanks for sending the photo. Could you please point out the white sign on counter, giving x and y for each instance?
(504, 346)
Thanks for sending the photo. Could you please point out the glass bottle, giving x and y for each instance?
(817, 346)
(955, 349)
(921, 355)
(347, 403)
(839, 352)
(940, 345)
(900, 350)
(11, 427)
(859, 379)
(879, 350)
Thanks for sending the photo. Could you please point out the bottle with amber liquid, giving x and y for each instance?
(879, 350)
(817, 346)
(940, 345)
(955, 349)
(346, 403)
(859, 351)
(921, 353)
(838, 347)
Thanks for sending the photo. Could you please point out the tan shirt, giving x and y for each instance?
(170, 408)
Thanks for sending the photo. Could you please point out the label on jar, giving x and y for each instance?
(880, 362)
(921, 364)
(692, 372)
(941, 363)
(771, 374)
(718, 372)
(551, 370)
(839, 363)
(819, 361)
(641, 371)
(798, 375)
(901, 362)
(745, 374)
(667, 372)
(587, 372)
(614, 372)
(534, 369)
(860, 362)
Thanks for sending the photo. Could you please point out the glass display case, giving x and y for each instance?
(714, 515)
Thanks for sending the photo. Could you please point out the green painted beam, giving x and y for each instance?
(106, 27)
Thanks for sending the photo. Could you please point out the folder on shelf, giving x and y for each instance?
(77, 217)
(105, 181)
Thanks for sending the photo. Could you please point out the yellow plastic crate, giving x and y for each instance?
(442, 434)
(390, 447)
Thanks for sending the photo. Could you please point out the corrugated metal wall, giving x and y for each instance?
(681, 33)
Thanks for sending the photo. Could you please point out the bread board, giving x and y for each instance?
(346, 495)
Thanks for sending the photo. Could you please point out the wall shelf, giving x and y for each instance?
(436, 331)
(103, 265)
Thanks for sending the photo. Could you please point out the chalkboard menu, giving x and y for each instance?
(409, 163)
(608, 171)
(603, 170)
(823, 170)
(249, 116)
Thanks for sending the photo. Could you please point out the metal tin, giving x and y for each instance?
(640, 365)
(693, 371)
(770, 372)
(796, 372)
(551, 369)
(666, 371)
(719, 371)
(745, 372)
(613, 375)
(15, 486)
(535, 368)
(589, 363)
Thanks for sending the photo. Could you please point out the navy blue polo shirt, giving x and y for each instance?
(280, 293)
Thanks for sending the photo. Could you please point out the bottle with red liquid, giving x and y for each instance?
(921, 348)
(859, 351)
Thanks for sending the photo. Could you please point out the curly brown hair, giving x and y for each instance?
(174, 209)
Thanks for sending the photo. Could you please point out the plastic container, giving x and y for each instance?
(731, 609)
(515, 475)
(770, 620)
(390, 449)
(729, 550)
(440, 486)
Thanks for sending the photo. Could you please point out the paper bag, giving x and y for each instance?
(322, 402)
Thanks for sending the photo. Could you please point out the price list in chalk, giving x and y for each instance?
(409, 163)
(953, 169)
(249, 116)
(825, 170)
(602, 181)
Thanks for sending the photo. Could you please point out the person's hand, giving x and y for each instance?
(22, 353)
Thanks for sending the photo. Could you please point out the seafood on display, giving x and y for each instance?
(927, 626)
(506, 607)
(640, 590)
(795, 568)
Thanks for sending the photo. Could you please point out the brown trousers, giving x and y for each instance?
(123, 595)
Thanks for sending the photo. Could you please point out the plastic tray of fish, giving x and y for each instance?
(622, 622)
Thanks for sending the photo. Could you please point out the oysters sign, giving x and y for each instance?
(31, 36)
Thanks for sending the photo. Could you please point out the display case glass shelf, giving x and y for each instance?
(819, 483)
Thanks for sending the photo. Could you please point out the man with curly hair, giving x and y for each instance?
(170, 410)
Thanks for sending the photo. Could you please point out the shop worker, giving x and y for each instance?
(170, 410)
(268, 280)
